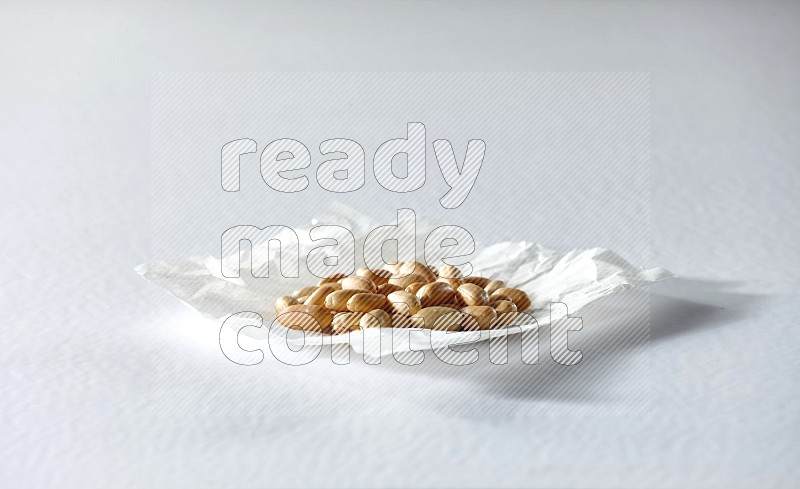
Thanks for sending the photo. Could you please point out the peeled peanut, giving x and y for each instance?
(518, 297)
(499, 297)
(414, 288)
(387, 289)
(449, 271)
(337, 300)
(472, 295)
(493, 285)
(304, 291)
(308, 318)
(407, 280)
(359, 283)
(438, 318)
(365, 302)
(376, 318)
(435, 293)
(479, 281)
(454, 283)
(404, 302)
(393, 266)
(503, 306)
(283, 302)
(378, 277)
(484, 315)
(317, 298)
(331, 279)
(418, 268)
(346, 321)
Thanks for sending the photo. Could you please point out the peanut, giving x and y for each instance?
(346, 321)
(472, 295)
(414, 288)
(479, 281)
(376, 318)
(435, 293)
(499, 297)
(393, 267)
(404, 302)
(483, 315)
(387, 289)
(365, 302)
(337, 300)
(493, 285)
(406, 280)
(359, 283)
(283, 302)
(503, 306)
(308, 318)
(438, 318)
(378, 277)
(454, 283)
(317, 298)
(415, 267)
(517, 296)
(449, 271)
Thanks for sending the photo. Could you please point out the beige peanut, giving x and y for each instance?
(366, 302)
(493, 285)
(308, 318)
(503, 306)
(337, 300)
(454, 283)
(518, 297)
(479, 281)
(404, 302)
(358, 283)
(472, 295)
(405, 281)
(387, 289)
(435, 294)
(317, 298)
(438, 318)
(283, 302)
(483, 315)
(346, 321)
(449, 271)
(378, 277)
(376, 318)
(414, 288)
(417, 268)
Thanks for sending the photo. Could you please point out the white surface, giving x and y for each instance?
(89, 348)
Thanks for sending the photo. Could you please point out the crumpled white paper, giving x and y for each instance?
(575, 278)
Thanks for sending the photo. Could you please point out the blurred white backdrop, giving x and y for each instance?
(86, 340)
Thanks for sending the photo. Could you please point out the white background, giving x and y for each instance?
(87, 345)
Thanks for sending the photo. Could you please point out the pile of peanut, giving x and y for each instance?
(403, 295)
